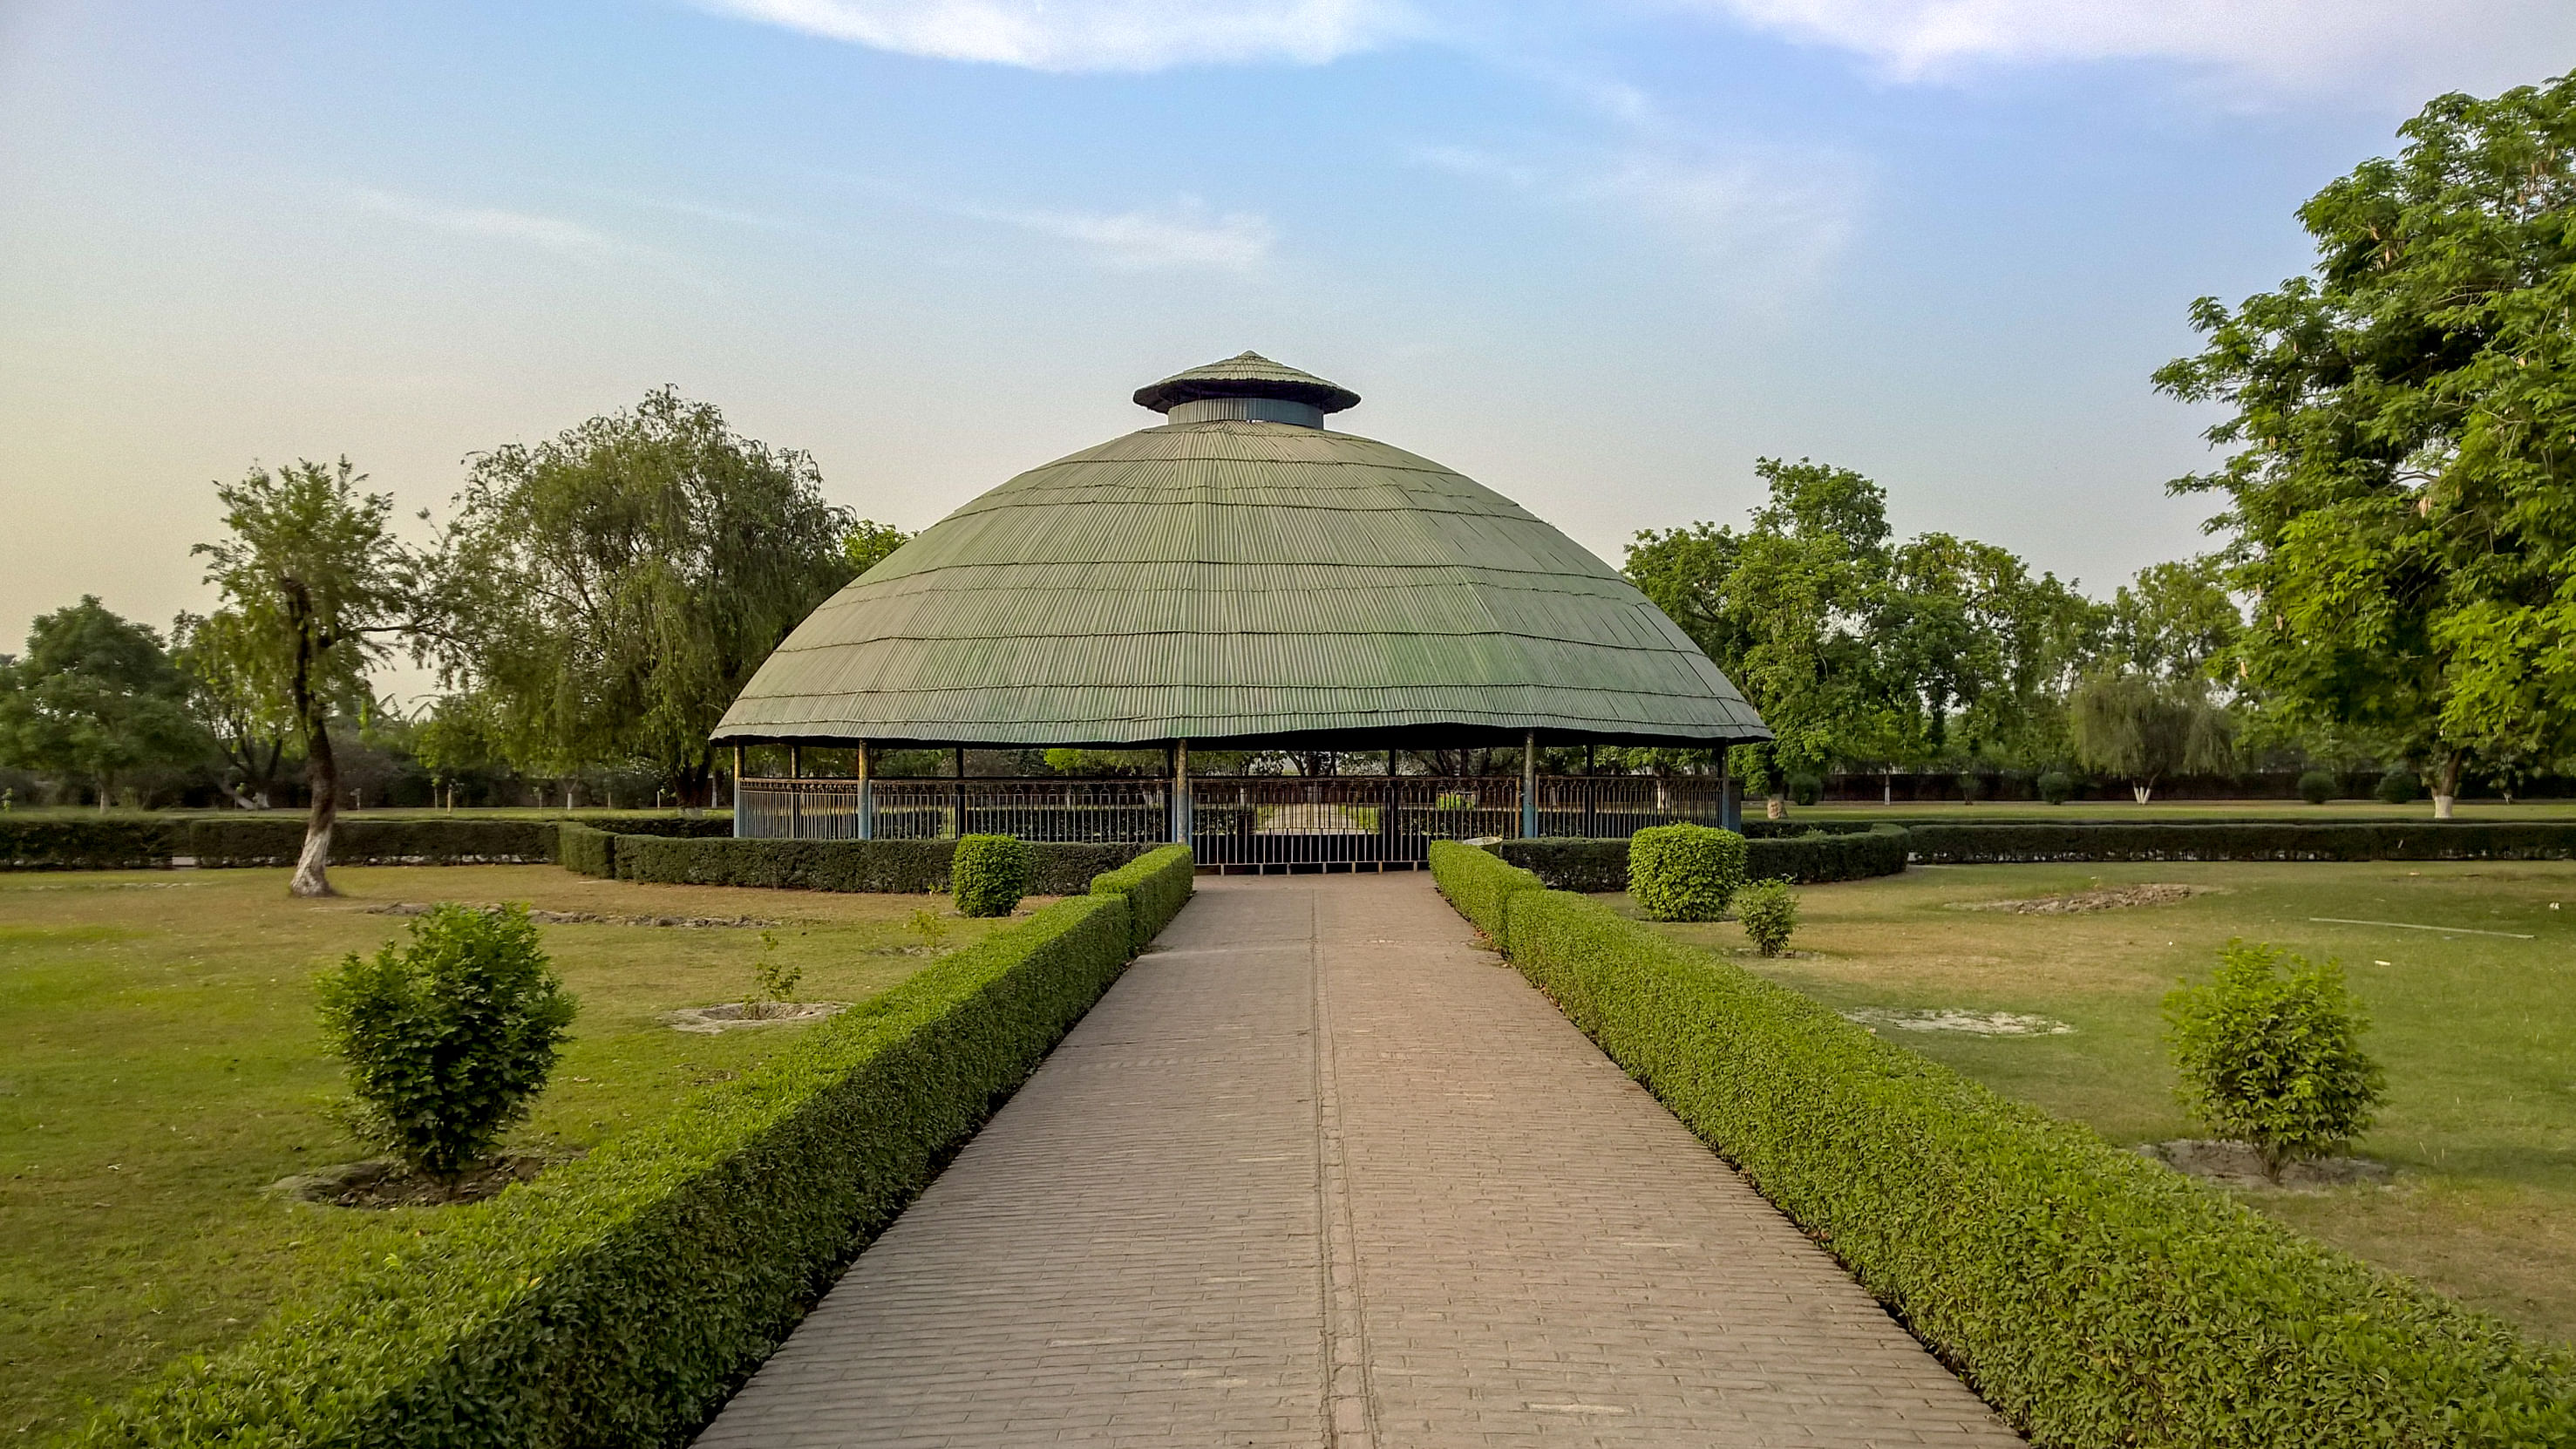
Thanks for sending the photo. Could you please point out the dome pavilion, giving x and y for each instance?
(1241, 577)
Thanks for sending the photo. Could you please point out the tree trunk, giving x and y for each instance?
(322, 771)
(2144, 793)
(2446, 787)
(1775, 807)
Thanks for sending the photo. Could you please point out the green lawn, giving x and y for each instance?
(163, 1065)
(2478, 1033)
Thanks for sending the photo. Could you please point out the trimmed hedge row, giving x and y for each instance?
(2093, 1297)
(1978, 843)
(1480, 884)
(618, 1299)
(1156, 884)
(900, 866)
(257, 840)
(1827, 855)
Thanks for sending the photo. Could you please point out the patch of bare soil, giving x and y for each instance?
(2237, 1164)
(734, 1014)
(383, 1182)
(583, 918)
(1972, 1023)
(2079, 902)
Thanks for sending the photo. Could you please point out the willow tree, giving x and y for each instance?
(2404, 420)
(316, 589)
(613, 588)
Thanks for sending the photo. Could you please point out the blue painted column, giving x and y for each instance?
(867, 794)
(1730, 813)
(1181, 792)
(1529, 785)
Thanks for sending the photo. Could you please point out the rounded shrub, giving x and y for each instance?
(1769, 911)
(2056, 787)
(2397, 787)
(2317, 787)
(989, 874)
(1684, 872)
(2270, 1054)
(1806, 789)
(448, 1037)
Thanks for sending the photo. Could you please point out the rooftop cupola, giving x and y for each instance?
(1249, 387)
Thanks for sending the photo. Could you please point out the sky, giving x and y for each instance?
(1598, 256)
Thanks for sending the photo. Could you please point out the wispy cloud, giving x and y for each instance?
(2295, 44)
(1764, 223)
(1186, 238)
(546, 233)
(1095, 35)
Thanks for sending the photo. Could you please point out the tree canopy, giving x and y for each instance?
(613, 588)
(95, 696)
(2402, 494)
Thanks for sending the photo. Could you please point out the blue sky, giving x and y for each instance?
(1600, 257)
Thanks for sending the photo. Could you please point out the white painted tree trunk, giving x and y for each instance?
(1775, 807)
(2143, 793)
(2442, 806)
(309, 879)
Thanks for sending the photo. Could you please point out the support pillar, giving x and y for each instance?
(1730, 812)
(867, 822)
(1529, 785)
(737, 793)
(957, 772)
(1181, 792)
(795, 797)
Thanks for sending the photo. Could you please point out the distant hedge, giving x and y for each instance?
(107, 844)
(898, 866)
(1982, 843)
(1808, 859)
(620, 1298)
(2096, 1299)
(266, 840)
(1156, 884)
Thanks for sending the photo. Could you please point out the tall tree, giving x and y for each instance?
(250, 718)
(613, 588)
(2142, 728)
(315, 587)
(95, 697)
(1790, 608)
(2402, 497)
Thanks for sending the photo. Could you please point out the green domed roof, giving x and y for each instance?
(1245, 581)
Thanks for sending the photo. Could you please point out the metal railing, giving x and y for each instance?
(1257, 820)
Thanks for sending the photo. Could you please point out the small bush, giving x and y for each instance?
(773, 981)
(2056, 787)
(2317, 787)
(990, 873)
(1685, 872)
(1972, 786)
(1769, 911)
(449, 1037)
(1806, 789)
(2273, 1059)
(2397, 787)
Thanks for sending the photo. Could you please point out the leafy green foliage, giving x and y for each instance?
(2056, 787)
(2095, 1298)
(989, 874)
(624, 1297)
(2397, 787)
(2136, 726)
(1859, 649)
(891, 866)
(1479, 884)
(314, 584)
(610, 591)
(1156, 884)
(2318, 786)
(447, 1038)
(1684, 872)
(1807, 855)
(773, 978)
(1768, 910)
(95, 696)
(2400, 494)
(2269, 1049)
(868, 542)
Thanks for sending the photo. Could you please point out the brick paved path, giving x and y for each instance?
(1442, 1219)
